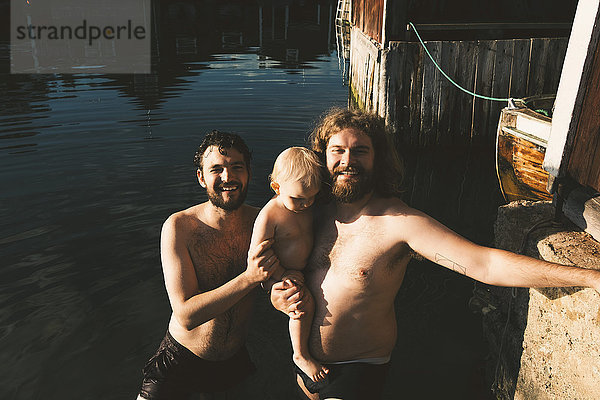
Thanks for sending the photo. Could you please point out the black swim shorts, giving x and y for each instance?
(351, 381)
(174, 372)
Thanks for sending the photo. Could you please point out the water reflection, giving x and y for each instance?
(91, 165)
(188, 34)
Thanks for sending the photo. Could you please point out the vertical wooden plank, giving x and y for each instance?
(448, 92)
(430, 96)
(372, 83)
(369, 84)
(364, 70)
(483, 86)
(538, 64)
(502, 68)
(414, 68)
(426, 100)
(396, 20)
(435, 105)
(584, 160)
(520, 68)
(557, 49)
(463, 114)
(357, 14)
(394, 66)
(500, 85)
(383, 86)
(399, 61)
(368, 17)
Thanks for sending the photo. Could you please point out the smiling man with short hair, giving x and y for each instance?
(210, 279)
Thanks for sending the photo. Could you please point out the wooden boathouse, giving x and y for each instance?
(544, 343)
(392, 74)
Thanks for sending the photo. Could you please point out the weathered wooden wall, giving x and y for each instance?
(424, 108)
(368, 16)
(365, 71)
(584, 160)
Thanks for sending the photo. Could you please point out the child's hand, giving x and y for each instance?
(295, 276)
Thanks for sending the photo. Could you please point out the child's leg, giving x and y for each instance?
(299, 334)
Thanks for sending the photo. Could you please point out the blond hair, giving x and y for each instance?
(297, 164)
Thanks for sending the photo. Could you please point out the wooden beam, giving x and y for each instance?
(571, 89)
(494, 26)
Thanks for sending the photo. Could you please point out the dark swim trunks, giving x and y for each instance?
(174, 372)
(351, 381)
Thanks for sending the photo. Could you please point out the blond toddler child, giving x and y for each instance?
(287, 219)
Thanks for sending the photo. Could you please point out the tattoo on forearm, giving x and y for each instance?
(446, 262)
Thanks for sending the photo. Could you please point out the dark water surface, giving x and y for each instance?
(90, 167)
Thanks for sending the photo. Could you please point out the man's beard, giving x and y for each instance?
(230, 205)
(351, 190)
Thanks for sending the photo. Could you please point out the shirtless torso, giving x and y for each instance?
(354, 273)
(218, 254)
(291, 231)
(363, 242)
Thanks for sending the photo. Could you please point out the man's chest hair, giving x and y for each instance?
(218, 257)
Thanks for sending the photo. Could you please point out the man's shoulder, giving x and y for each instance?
(184, 220)
(191, 213)
(390, 206)
(393, 213)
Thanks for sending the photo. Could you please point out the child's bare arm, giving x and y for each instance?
(264, 229)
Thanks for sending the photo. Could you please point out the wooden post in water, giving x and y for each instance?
(260, 26)
(287, 21)
(330, 20)
(318, 13)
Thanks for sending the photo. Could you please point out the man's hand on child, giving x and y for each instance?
(286, 297)
(294, 276)
(262, 262)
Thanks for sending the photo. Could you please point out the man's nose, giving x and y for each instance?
(225, 175)
(346, 158)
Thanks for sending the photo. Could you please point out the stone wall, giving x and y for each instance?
(547, 340)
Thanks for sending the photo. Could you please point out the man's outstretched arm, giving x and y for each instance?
(190, 307)
(497, 267)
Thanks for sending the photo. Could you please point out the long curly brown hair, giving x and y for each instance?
(388, 168)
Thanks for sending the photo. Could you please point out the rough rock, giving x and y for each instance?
(547, 340)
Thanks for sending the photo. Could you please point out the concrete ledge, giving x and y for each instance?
(547, 340)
